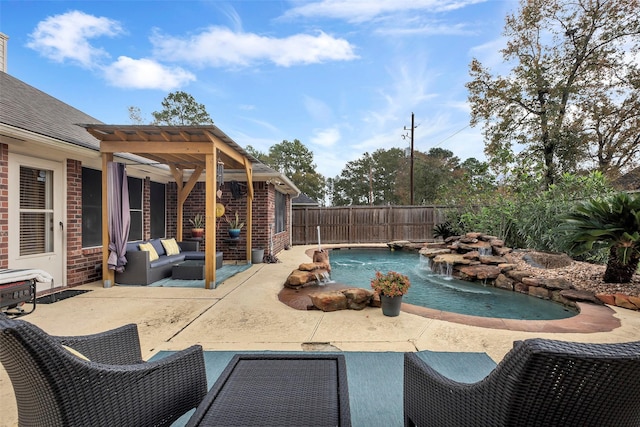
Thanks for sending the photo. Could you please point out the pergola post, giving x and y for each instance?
(107, 275)
(196, 148)
(210, 218)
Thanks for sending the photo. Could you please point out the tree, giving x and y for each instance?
(472, 184)
(563, 54)
(263, 157)
(181, 109)
(615, 130)
(433, 171)
(135, 115)
(373, 179)
(295, 161)
(613, 223)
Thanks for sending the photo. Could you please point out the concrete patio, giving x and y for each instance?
(244, 313)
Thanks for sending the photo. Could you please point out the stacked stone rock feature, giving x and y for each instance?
(480, 257)
(310, 272)
(307, 274)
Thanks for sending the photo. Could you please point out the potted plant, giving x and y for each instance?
(197, 224)
(390, 287)
(235, 225)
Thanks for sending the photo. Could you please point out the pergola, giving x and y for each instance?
(188, 151)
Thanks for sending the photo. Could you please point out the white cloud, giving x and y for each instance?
(317, 109)
(146, 74)
(409, 88)
(326, 137)
(66, 37)
(221, 47)
(363, 11)
(427, 28)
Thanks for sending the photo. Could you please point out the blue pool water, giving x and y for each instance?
(356, 267)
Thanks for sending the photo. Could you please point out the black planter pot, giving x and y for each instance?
(391, 305)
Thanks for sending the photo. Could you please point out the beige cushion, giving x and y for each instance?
(148, 247)
(171, 246)
(76, 353)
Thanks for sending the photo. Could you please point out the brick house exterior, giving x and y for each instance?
(39, 133)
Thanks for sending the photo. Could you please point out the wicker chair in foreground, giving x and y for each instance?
(54, 387)
(538, 383)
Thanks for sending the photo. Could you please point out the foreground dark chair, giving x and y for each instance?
(54, 387)
(538, 383)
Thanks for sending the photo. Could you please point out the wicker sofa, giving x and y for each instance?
(140, 270)
(540, 382)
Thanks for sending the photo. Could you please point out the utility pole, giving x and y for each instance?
(411, 173)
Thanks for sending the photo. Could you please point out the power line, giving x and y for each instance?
(451, 136)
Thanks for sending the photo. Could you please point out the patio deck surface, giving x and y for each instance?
(244, 313)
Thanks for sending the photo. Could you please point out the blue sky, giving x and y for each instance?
(342, 76)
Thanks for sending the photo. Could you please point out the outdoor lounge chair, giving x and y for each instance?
(538, 383)
(54, 387)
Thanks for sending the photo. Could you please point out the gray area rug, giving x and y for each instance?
(375, 380)
(222, 274)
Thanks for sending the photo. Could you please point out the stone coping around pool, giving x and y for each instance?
(591, 317)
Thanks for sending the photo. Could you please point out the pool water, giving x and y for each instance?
(356, 267)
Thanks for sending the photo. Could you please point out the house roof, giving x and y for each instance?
(304, 200)
(27, 108)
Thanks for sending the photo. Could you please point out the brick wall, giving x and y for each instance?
(263, 217)
(4, 206)
(85, 265)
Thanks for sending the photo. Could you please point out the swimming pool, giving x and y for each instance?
(356, 267)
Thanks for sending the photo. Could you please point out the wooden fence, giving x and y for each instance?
(364, 224)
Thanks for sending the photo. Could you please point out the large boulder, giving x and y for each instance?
(479, 272)
(547, 260)
(329, 301)
(350, 298)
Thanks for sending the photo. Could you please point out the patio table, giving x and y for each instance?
(278, 390)
(188, 270)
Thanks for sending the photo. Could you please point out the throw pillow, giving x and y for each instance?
(148, 247)
(171, 246)
(76, 353)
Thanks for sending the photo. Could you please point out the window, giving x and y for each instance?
(36, 211)
(281, 210)
(91, 207)
(135, 208)
(158, 210)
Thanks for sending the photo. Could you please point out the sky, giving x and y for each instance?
(341, 76)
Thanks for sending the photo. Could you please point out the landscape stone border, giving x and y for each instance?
(472, 257)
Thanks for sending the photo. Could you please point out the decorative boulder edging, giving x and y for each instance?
(476, 256)
(310, 272)
(472, 257)
(350, 298)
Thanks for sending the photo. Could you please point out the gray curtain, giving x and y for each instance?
(119, 215)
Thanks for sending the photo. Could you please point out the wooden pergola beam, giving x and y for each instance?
(180, 147)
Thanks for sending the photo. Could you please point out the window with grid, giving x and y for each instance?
(135, 208)
(91, 207)
(281, 210)
(158, 210)
(36, 211)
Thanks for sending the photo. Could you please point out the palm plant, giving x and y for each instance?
(444, 230)
(613, 223)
